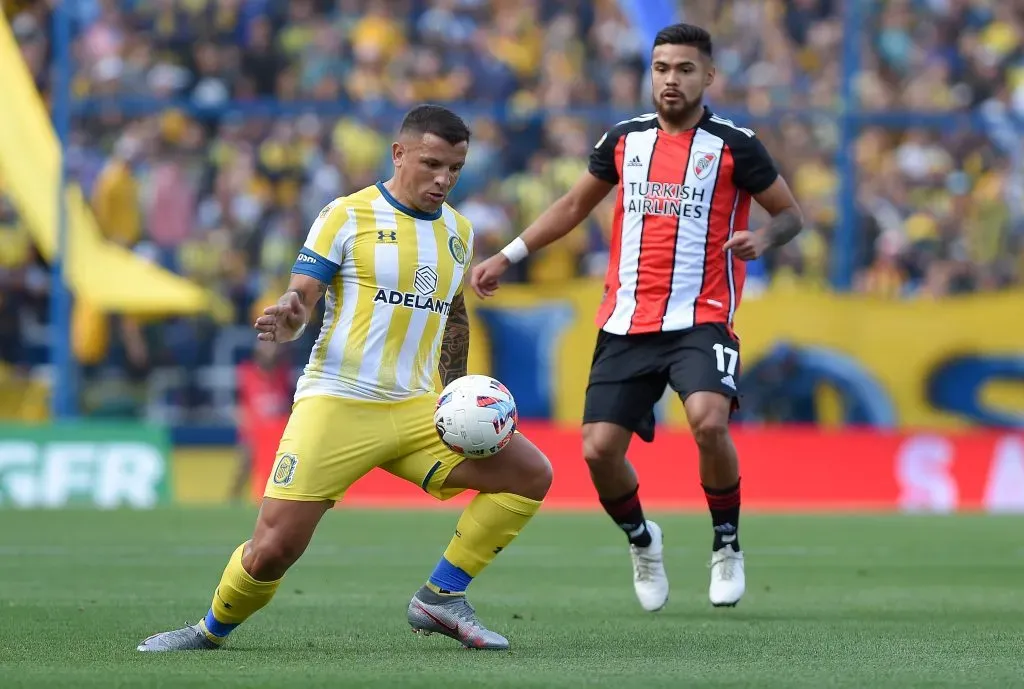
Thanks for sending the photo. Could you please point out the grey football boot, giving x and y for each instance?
(188, 638)
(454, 617)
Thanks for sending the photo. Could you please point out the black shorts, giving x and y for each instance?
(629, 373)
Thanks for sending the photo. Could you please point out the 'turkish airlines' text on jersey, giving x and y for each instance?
(680, 198)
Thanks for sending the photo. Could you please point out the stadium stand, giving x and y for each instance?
(223, 195)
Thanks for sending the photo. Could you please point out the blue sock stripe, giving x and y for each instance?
(449, 577)
(216, 627)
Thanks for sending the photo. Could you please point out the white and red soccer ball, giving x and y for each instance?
(476, 416)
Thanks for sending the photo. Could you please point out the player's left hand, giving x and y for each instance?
(746, 246)
(282, 321)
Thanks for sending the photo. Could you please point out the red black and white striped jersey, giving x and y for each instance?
(680, 198)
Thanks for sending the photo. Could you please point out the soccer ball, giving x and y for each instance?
(475, 416)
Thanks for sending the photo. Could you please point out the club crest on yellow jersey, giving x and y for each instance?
(457, 248)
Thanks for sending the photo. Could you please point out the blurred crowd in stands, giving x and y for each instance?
(225, 196)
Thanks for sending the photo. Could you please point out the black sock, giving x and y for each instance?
(725, 515)
(627, 513)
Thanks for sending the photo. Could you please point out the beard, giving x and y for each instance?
(680, 111)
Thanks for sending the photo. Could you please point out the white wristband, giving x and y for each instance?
(516, 250)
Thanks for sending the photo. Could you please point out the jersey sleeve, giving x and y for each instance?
(602, 158)
(753, 167)
(324, 249)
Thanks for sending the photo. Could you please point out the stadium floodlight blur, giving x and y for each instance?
(107, 89)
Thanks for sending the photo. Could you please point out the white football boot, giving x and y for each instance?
(649, 579)
(728, 581)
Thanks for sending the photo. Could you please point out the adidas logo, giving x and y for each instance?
(635, 162)
(729, 381)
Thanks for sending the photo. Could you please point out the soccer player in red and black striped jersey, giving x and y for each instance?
(685, 180)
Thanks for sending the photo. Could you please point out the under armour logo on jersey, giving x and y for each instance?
(635, 162)
(387, 237)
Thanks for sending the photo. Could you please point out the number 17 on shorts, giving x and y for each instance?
(726, 358)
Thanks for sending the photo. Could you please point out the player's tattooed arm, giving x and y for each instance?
(454, 361)
(784, 226)
(310, 294)
(786, 223)
(309, 290)
(787, 220)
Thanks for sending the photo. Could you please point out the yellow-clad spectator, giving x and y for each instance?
(378, 32)
(15, 246)
(517, 38)
(115, 198)
(359, 145)
(987, 219)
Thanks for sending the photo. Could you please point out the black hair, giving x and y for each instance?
(437, 120)
(685, 34)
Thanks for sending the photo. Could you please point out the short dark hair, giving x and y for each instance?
(437, 120)
(685, 34)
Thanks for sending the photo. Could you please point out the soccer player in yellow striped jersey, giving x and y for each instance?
(391, 260)
(394, 273)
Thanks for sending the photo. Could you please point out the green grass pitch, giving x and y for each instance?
(832, 601)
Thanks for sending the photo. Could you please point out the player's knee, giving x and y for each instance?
(599, 449)
(710, 431)
(532, 477)
(539, 478)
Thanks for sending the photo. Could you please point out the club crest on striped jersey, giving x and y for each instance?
(457, 249)
(703, 163)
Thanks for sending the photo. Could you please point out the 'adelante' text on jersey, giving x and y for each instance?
(680, 198)
(392, 273)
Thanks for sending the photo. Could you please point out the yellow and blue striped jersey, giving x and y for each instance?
(392, 273)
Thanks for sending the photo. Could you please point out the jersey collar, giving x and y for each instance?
(397, 205)
(703, 120)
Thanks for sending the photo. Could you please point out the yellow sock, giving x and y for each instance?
(486, 527)
(237, 597)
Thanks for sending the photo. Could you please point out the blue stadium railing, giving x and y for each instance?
(849, 117)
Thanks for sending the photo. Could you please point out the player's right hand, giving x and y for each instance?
(485, 276)
(280, 322)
